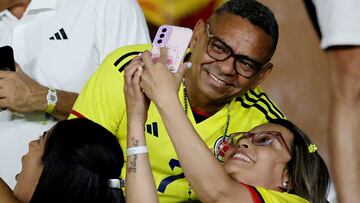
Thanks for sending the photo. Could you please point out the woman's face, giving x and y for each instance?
(260, 165)
(32, 168)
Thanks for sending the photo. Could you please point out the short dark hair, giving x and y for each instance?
(309, 176)
(79, 158)
(258, 14)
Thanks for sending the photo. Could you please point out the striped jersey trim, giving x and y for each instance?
(262, 94)
(77, 114)
(255, 194)
(248, 102)
(123, 57)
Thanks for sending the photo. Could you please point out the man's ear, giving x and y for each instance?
(197, 33)
(262, 75)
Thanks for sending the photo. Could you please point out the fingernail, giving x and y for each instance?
(189, 64)
(140, 68)
(140, 54)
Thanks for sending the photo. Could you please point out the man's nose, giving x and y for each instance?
(227, 66)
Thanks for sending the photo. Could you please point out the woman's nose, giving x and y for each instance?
(244, 143)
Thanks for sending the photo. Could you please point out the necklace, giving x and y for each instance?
(223, 145)
(186, 108)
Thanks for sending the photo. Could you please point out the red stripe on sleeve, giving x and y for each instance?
(77, 114)
(254, 194)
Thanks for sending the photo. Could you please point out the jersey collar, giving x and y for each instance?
(43, 5)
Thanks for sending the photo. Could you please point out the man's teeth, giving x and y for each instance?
(217, 79)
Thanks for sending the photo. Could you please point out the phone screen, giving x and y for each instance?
(7, 58)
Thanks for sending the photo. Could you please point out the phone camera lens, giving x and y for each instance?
(162, 35)
(159, 41)
(164, 30)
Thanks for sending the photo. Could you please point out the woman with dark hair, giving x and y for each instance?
(274, 162)
(75, 161)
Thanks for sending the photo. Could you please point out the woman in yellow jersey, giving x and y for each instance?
(274, 162)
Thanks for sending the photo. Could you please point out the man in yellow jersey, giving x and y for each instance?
(230, 55)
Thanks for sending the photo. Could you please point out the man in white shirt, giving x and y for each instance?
(57, 46)
(338, 24)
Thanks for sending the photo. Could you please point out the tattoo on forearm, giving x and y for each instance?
(132, 165)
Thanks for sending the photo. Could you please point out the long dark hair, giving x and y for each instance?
(309, 176)
(79, 158)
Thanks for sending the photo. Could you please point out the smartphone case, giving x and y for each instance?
(176, 40)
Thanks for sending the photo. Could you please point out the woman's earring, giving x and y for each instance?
(285, 185)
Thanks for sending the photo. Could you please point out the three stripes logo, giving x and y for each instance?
(152, 129)
(60, 35)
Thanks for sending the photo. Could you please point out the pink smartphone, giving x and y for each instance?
(176, 39)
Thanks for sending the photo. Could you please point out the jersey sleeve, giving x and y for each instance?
(102, 99)
(339, 22)
(277, 197)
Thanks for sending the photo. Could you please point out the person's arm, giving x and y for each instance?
(197, 161)
(20, 93)
(140, 184)
(6, 194)
(344, 121)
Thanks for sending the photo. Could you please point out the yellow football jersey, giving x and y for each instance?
(102, 100)
(262, 195)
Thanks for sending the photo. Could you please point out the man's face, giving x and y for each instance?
(217, 80)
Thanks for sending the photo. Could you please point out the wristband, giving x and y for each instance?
(136, 150)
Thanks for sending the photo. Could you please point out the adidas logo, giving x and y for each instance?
(59, 34)
(152, 129)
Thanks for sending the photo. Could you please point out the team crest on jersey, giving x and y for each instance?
(220, 147)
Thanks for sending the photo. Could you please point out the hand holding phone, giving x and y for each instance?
(7, 61)
(176, 40)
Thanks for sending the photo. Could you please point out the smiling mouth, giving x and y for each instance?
(243, 157)
(218, 80)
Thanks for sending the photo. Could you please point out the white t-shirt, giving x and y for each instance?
(59, 43)
(339, 22)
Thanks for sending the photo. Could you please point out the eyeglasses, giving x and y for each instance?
(218, 50)
(264, 138)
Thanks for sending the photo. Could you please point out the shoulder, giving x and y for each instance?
(123, 55)
(256, 101)
(277, 197)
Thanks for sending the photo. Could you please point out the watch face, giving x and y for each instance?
(51, 96)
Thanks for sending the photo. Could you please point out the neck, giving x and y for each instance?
(19, 8)
(201, 102)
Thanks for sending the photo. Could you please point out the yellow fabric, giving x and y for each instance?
(161, 12)
(271, 196)
(102, 100)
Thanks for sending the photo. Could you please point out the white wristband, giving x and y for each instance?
(136, 150)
